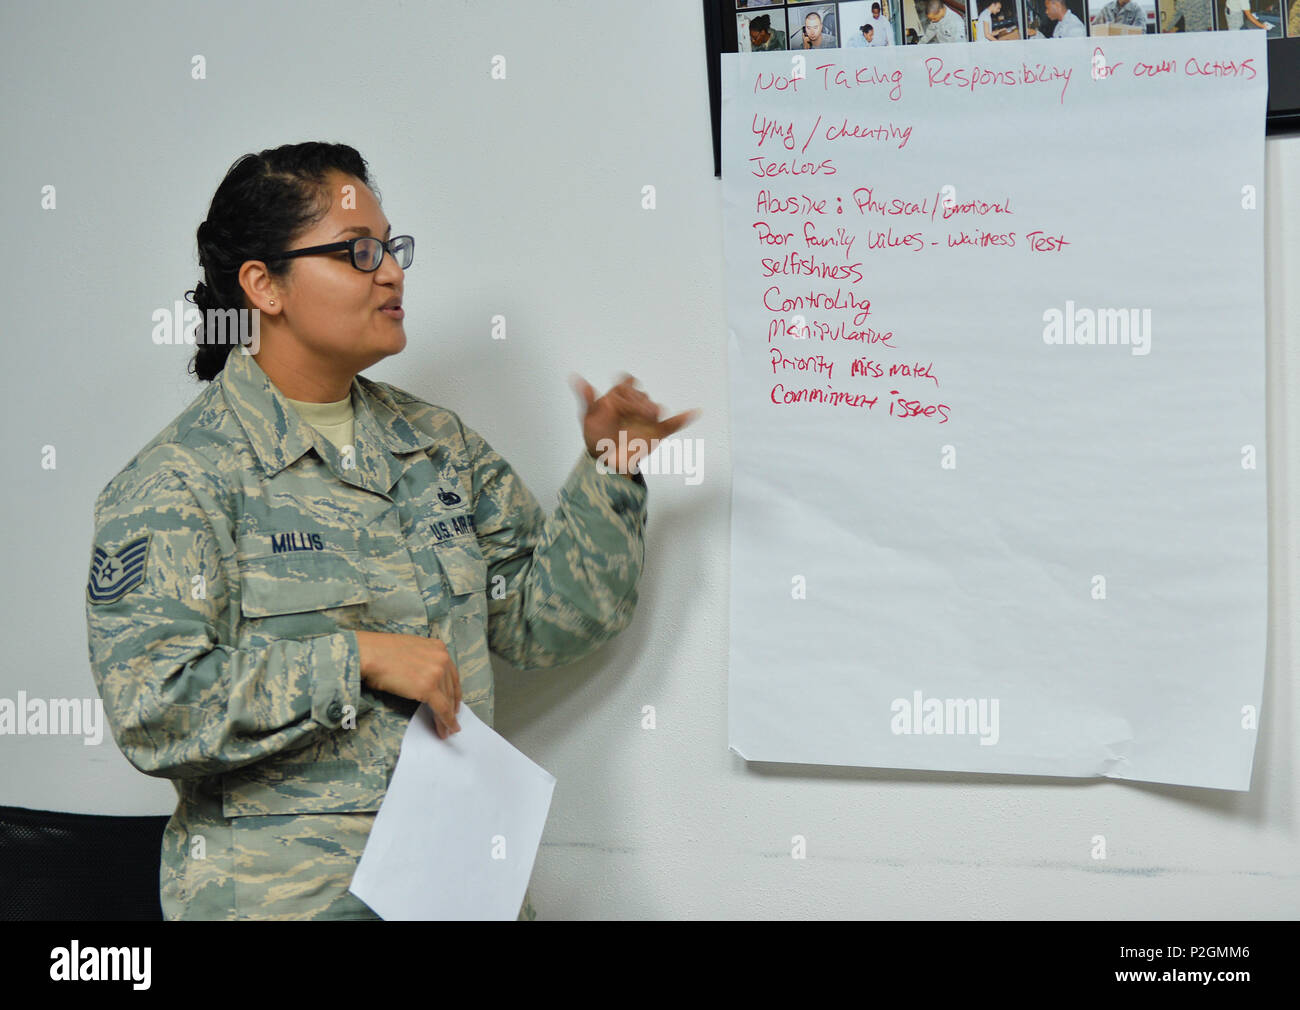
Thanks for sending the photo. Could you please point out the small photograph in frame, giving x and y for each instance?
(1186, 16)
(1245, 15)
(933, 21)
(869, 24)
(1055, 19)
(812, 26)
(995, 21)
(1121, 17)
(760, 33)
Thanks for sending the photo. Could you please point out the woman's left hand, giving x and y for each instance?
(624, 409)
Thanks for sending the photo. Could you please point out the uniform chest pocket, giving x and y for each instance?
(463, 565)
(300, 583)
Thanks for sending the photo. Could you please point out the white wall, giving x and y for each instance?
(524, 196)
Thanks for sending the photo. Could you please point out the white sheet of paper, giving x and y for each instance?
(1022, 556)
(457, 833)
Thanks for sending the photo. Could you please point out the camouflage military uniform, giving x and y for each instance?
(232, 566)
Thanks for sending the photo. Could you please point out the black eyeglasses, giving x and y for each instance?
(365, 251)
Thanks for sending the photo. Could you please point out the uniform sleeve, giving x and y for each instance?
(561, 585)
(180, 700)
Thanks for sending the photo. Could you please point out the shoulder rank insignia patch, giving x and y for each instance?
(114, 575)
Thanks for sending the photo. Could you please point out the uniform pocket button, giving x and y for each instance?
(335, 711)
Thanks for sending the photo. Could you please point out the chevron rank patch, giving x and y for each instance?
(114, 575)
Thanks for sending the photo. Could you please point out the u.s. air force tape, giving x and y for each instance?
(114, 575)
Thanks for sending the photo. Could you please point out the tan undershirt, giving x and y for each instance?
(333, 420)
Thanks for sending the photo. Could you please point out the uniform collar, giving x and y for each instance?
(279, 436)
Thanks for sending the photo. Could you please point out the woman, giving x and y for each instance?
(304, 555)
(984, 23)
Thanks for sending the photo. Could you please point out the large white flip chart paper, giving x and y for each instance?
(996, 332)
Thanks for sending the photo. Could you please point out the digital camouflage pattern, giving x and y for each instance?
(232, 566)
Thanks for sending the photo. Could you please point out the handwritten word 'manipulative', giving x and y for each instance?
(817, 329)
